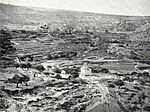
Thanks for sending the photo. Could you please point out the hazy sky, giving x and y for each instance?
(125, 7)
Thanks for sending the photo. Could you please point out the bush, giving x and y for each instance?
(119, 83)
(73, 71)
(139, 75)
(104, 70)
(40, 68)
(3, 104)
(49, 57)
(96, 69)
(146, 108)
(111, 85)
(58, 76)
(57, 70)
(145, 74)
(55, 56)
(128, 79)
(134, 73)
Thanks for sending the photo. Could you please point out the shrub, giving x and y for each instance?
(3, 104)
(96, 69)
(128, 79)
(40, 68)
(146, 108)
(134, 73)
(73, 71)
(49, 57)
(58, 76)
(111, 85)
(57, 70)
(145, 74)
(119, 83)
(55, 56)
(104, 70)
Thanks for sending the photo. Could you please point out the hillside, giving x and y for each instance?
(19, 16)
(55, 60)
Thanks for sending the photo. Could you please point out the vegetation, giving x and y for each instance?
(18, 79)
(71, 37)
(40, 68)
(3, 104)
(62, 54)
(73, 71)
(6, 48)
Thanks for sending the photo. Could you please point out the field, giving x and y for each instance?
(71, 61)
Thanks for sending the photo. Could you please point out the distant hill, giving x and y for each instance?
(19, 16)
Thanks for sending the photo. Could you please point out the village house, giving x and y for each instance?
(85, 70)
(49, 68)
(64, 74)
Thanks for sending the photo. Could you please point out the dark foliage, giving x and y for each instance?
(99, 69)
(40, 68)
(104, 70)
(111, 85)
(3, 104)
(119, 83)
(74, 71)
(57, 70)
(147, 108)
(62, 54)
(128, 79)
(96, 69)
(23, 65)
(18, 79)
(6, 48)
(58, 76)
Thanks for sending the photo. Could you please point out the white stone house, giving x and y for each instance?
(85, 70)
(64, 74)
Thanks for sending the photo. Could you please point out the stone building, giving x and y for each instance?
(85, 70)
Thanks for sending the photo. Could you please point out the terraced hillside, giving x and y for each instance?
(74, 62)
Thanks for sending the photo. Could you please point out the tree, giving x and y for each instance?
(19, 78)
(40, 68)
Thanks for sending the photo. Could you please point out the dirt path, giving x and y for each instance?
(103, 90)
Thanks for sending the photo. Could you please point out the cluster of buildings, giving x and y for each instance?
(50, 68)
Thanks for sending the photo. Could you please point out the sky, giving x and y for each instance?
(119, 7)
